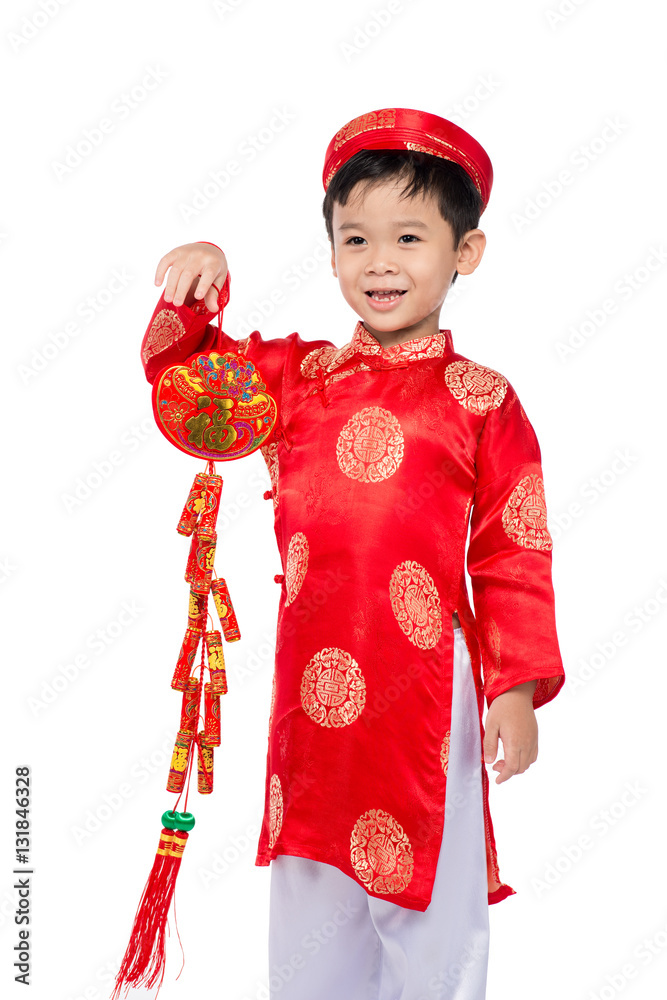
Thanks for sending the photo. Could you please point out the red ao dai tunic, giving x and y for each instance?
(381, 461)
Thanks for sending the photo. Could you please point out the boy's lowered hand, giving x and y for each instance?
(511, 717)
(187, 263)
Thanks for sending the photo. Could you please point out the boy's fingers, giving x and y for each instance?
(512, 762)
(162, 266)
(185, 264)
(516, 762)
(185, 279)
(208, 276)
(211, 299)
(210, 285)
(173, 280)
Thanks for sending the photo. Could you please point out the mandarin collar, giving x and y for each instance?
(434, 346)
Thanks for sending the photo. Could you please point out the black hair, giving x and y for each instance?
(459, 201)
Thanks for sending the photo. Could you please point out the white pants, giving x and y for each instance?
(330, 940)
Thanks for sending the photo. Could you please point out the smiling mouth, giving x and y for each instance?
(387, 295)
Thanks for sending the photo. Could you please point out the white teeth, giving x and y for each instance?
(383, 297)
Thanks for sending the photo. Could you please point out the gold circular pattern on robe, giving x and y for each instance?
(474, 386)
(444, 751)
(275, 809)
(525, 514)
(296, 565)
(381, 853)
(370, 445)
(333, 688)
(416, 604)
(165, 329)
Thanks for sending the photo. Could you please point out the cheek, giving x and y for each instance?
(347, 272)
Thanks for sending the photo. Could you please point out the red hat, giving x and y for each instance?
(403, 128)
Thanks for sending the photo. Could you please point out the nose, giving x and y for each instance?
(381, 264)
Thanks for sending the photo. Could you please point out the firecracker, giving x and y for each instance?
(214, 407)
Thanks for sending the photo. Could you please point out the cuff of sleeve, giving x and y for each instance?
(547, 687)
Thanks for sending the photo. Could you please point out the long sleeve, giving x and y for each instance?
(176, 333)
(509, 558)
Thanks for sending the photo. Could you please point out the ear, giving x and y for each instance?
(471, 251)
(333, 259)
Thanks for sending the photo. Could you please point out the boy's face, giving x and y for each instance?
(383, 241)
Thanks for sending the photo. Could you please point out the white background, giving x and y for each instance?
(538, 90)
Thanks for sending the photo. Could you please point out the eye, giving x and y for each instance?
(354, 238)
(408, 236)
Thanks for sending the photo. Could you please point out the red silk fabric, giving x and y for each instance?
(403, 128)
(379, 462)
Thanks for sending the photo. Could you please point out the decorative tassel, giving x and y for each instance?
(144, 960)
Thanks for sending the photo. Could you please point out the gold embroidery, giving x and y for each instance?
(433, 346)
(468, 164)
(474, 386)
(324, 359)
(365, 123)
(332, 171)
(275, 809)
(321, 363)
(164, 330)
(370, 446)
(525, 514)
(387, 119)
(296, 565)
(381, 853)
(444, 751)
(416, 604)
(429, 149)
(333, 689)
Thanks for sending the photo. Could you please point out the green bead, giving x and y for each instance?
(173, 820)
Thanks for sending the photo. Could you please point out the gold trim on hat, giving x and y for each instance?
(460, 157)
(365, 123)
(468, 162)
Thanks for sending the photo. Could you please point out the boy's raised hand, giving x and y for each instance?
(511, 717)
(187, 263)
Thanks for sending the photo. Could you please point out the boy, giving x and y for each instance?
(376, 813)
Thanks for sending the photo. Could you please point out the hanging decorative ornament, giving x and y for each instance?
(215, 407)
